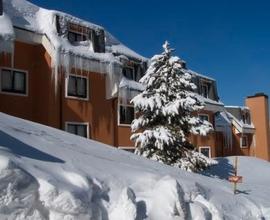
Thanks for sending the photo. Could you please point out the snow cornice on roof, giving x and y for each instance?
(237, 107)
(28, 16)
(200, 75)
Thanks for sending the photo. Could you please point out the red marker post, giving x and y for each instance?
(235, 179)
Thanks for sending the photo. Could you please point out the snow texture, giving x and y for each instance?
(46, 173)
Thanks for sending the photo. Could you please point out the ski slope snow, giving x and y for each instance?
(46, 173)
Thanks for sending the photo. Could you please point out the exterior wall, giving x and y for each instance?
(45, 105)
(124, 133)
(34, 60)
(258, 105)
(237, 149)
(210, 139)
(97, 111)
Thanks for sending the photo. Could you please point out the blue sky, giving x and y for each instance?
(227, 40)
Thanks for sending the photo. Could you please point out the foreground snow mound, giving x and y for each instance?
(126, 207)
(18, 193)
(168, 200)
(46, 173)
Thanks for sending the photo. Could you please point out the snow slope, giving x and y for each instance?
(49, 174)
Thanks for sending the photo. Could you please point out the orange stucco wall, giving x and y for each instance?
(49, 106)
(97, 111)
(34, 60)
(237, 149)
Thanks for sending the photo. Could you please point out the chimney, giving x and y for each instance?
(258, 105)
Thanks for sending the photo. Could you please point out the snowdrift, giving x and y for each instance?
(46, 173)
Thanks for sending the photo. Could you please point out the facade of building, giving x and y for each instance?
(70, 74)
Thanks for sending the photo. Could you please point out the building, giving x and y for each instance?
(70, 74)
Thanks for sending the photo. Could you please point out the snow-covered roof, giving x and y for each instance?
(26, 15)
(131, 84)
(200, 75)
(237, 107)
(210, 104)
(240, 125)
(115, 46)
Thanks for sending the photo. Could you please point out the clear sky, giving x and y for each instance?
(228, 40)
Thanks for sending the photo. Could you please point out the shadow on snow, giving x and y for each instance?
(21, 149)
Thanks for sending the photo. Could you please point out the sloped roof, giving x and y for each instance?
(26, 15)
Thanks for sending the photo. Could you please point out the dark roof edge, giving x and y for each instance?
(260, 94)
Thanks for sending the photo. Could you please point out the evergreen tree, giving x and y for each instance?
(166, 114)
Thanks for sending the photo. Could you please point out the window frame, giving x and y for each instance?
(26, 82)
(205, 147)
(119, 121)
(204, 114)
(78, 123)
(127, 149)
(244, 136)
(77, 97)
(133, 72)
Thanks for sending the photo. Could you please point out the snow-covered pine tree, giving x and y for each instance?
(166, 114)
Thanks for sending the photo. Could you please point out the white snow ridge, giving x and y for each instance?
(46, 173)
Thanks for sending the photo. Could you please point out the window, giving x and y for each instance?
(205, 90)
(244, 141)
(126, 114)
(13, 81)
(80, 129)
(246, 118)
(77, 87)
(129, 72)
(204, 117)
(206, 151)
(76, 37)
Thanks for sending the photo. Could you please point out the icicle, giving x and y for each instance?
(12, 54)
(56, 61)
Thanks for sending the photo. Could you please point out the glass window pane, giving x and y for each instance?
(205, 152)
(6, 80)
(205, 91)
(128, 73)
(19, 82)
(71, 128)
(71, 37)
(81, 87)
(81, 37)
(244, 141)
(72, 86)
(126, 114)
(82, 130)
(76, 37)
(204, 117)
